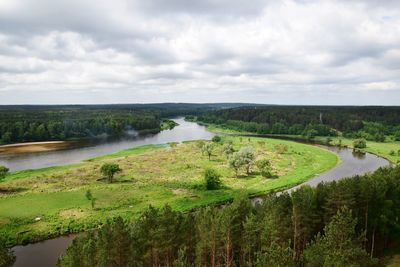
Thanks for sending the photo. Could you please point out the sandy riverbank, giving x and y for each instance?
(32, 147)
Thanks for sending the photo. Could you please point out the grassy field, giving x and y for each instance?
(389, 149)
(37, 204)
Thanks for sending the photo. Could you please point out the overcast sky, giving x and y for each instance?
(278, 52)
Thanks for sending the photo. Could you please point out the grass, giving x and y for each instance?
(152, 175)
(382, 149)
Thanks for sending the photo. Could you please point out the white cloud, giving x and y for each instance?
(291, 52)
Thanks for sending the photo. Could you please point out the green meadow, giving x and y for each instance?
(38, 204)
(389, 149)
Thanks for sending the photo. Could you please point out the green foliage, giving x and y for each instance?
(212, 179)
(167, 124)
(89, 195)
(281, 148)
(275, 255)
(264, 167)
(244, 158)
(360, 143)
(236, 163)
(228, 149)
(109, 170)
(216, 139)
(3, 172)
(371, 123)
(247, 158)
(284, 230)
(339, 246)
(64, 123)
(151, 176)
(208, 149)
(7, 258)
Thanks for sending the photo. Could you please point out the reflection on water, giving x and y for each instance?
(358, 154)
(184, 132)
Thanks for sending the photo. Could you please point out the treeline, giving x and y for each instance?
(345, 223)
(23, 125)
(62, 122)
(371, 123)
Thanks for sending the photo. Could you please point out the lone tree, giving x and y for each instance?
(109, 170)
(212, 179)
(208, 149)
(228, 149)
(264, 166)
(3, 172)
(235, 162)
(247, 156)
(360, 143)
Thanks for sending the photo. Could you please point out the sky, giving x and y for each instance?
(343, 52)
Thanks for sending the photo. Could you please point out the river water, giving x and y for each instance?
(184, 132)
(47, 252)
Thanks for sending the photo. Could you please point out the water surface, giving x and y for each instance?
(184, 132)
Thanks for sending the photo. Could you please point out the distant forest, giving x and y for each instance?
(66, 122)
(371, 123)
(346, 223)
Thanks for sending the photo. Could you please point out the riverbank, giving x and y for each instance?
(389, 150)
(33, 147)
(152, 176)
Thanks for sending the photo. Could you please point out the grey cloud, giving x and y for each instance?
(146, 51)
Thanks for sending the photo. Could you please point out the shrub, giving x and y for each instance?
(281, 148)
(360, 143)
(216, 139)
(264, 166)
(212, 179)
(3, 172)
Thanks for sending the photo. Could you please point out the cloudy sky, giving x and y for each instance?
(138, 51)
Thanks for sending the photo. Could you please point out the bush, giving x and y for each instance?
(264, 166)
(216, 139)
(212, 179)
(360, 143)
(109, 170)
(281, 148)
(3, 172)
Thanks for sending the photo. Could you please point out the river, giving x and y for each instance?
(184, 132)
(47, 252)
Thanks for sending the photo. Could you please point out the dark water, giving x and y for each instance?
(43, 253)
(47, 252)
(184, 132)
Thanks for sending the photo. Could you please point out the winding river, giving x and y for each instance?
(47, 252)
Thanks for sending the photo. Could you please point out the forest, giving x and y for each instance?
(371, 123)
(346, 223)
(25, 125)
(66, 122)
